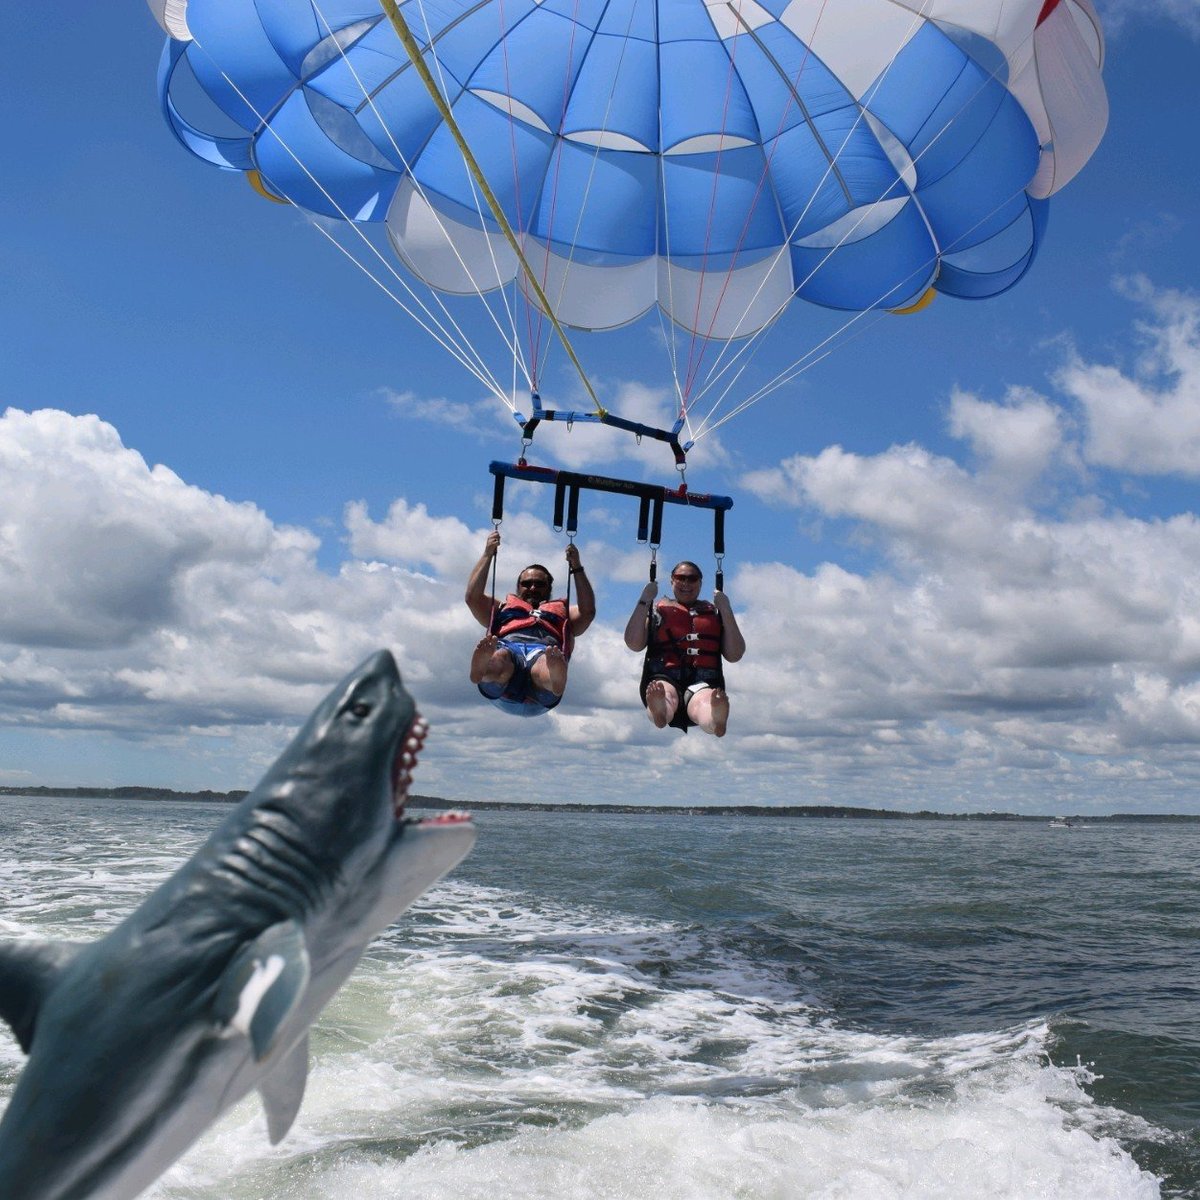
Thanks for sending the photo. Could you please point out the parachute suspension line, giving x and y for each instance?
(530, 340)
(803, 363)
(669, 328)
(534, 323)
(480, 371)
(753, 344)
(461, 351)
(540, 414)
(587, 191)
(528, 370)
(750, 349)
(668, 332)
(414, 53)
(509, 339)
(664, 250)
(793, 97)
(808, 360)
(694, 358)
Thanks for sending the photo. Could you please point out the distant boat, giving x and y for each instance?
(1062, 823)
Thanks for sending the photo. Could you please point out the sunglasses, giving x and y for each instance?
(531, 583)
(686, 578)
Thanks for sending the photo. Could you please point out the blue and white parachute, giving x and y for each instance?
(713, 157)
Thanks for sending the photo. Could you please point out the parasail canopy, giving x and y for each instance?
(716, 158)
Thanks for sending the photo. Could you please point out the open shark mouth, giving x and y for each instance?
(403, 765)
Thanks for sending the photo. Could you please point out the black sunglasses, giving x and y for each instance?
(686, 578)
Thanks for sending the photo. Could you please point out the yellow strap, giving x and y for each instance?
(927, 298)
(414, 53)
(257, 182)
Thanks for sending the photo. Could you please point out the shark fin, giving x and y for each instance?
(283, 1089)
(263, 984)
(28, 970)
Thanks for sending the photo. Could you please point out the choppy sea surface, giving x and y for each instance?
(710, 1007)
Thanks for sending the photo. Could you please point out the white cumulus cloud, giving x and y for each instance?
(1145, 419)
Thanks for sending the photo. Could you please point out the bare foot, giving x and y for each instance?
(658, 703)
(556, 670)
(720, 712)
(482, 657)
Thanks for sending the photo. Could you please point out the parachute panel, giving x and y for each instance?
(1069, 96)
(599, 208)
(615, 96)
(300, 162)
(715, 209)
(420, 232)
(993, 266)
(889, 269)
(587, 296)
(726, 304)
(235, 63)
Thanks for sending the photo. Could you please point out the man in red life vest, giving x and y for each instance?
(520, 665)
(685, 639)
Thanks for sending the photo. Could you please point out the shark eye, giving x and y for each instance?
(360, 710)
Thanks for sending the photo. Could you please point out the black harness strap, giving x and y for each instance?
(719, 546)
(573, 511)
(497, 518)
(669, 436)
(560, 495)
(498, 500)
(643, 520)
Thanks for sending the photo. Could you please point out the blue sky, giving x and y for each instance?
(963, 552)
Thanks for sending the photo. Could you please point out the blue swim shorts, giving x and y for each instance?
(520, 696)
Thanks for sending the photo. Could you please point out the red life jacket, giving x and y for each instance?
(685, 639)
(551, 621)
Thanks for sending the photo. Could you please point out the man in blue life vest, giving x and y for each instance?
(685, 640)
(520, 665)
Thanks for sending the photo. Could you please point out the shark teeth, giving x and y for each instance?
(405, 762)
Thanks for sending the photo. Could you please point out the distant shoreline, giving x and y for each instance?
(691, 810)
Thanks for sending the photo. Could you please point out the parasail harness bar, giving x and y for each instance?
(670, 436)
(538, 414)
(652, 497)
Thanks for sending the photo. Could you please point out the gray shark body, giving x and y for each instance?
(139, 1041)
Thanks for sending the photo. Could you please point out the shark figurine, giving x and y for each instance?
(139, 1041)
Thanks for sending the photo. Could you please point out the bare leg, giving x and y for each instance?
(661, 702)
(490, 663)
(710, 710)
(550, 671)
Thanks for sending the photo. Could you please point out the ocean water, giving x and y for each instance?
(711, 1007)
